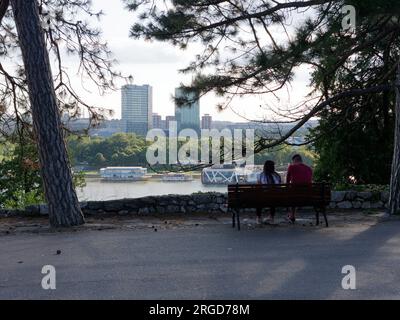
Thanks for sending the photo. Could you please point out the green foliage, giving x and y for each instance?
(6, 149)
(356, 152)
(354, 139)
(282, 156)
(128, 150)
(21, 182)
(79, 180)
(20, 177)
(20, 199)
(119, 150)
(374, 188)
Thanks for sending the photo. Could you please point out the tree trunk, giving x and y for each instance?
(64, 209)
(395, 177)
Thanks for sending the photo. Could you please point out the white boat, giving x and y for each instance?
(230, 174)
(124, 173)
(175, 177)
(221, 174)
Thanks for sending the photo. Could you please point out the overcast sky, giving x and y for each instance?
(157, 64)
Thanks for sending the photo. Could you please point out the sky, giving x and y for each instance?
(157, 64)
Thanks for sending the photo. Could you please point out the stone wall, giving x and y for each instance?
(359, 200)
(212, 203)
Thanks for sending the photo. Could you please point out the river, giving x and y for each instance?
(98, 190)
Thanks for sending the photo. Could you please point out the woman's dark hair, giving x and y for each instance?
(297, 157)
(269, 170)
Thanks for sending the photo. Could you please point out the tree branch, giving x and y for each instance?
(346, 94)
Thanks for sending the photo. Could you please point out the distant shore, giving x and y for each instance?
(154, 176)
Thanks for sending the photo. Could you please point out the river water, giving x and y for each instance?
(98, 190)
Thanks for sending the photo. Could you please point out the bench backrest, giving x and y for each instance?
(282, 195)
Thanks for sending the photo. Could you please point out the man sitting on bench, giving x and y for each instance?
(298, 173)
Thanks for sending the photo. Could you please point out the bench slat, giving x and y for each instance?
(284, 195)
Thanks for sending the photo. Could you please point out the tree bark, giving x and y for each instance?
(64, 209)
(394, 196)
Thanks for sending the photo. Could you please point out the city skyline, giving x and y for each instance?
(158, 64)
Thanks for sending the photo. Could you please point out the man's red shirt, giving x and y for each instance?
(299, 173)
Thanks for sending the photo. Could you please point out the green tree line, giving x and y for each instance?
(118, 150)
(123, 149)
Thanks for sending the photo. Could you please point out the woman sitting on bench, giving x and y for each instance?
(268, 176)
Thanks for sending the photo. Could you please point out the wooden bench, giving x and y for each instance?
(240, 196)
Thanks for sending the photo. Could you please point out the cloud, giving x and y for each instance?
(131, 51)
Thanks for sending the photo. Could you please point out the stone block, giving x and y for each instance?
(357, 204)
(366, 205)
(345, 205)
(366, 195)
(338, 196)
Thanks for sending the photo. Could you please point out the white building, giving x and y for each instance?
(137, 108)
(123, 173)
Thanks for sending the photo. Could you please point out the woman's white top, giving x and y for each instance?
(264, 179)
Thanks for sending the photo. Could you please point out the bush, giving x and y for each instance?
(22, 199)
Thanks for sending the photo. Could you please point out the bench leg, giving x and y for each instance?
(238, 220)
(316, 216)
(325, 217)
(233, 218)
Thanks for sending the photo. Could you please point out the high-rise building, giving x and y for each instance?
(163, 124)
(157, 121)
(169, 119)
(206, 122)
(187, 114)
(167, 122)
(137, 108)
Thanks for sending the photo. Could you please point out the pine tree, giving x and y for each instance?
(254, 48)
(35, 97)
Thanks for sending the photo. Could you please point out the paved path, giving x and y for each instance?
(205, 261)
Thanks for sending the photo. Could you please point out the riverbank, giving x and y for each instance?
(95, 174)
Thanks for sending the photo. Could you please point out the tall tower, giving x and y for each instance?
(188, 114)
(137, 108)
(206, 122)
(157, 121)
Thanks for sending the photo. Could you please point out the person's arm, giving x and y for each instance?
(277, 178)
(289, 175)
